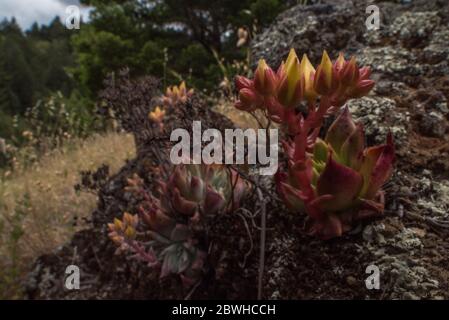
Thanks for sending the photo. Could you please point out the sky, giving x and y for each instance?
(27, 12)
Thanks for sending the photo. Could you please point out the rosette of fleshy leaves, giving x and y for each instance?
(171, 247)
(124, 234)
(323, 89)
(176, 94)
(193, 189)
(338, 181)
(190, 193)
(122, 231)
(173, 243)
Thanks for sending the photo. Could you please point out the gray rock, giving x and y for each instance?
(433, 124)
(379, 116)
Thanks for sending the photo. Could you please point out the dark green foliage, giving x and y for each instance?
(100, 53)
(169, 39)
(56, 118)
(191, 40)
(32, 66)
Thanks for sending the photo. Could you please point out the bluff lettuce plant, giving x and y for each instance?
(193, 190)
(165, 232)
(176, 94)
(157, 115)
(336, 180)
(173, 95)
(339, 181)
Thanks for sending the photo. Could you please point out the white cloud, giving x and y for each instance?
(27, 12)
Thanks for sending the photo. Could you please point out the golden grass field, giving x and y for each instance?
(38, 204)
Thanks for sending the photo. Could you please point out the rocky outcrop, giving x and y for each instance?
(409, 57)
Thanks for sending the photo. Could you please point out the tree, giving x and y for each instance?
(32, 66)
(150, 27)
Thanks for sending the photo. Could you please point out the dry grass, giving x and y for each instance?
(38, 205)
(240, 118)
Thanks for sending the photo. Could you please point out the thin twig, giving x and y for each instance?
(189, 295)
(257, 185)
(242, 265)
(248, 214)
(257, 119)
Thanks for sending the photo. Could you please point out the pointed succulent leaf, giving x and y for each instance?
(341, 182)
(340, 62)
(118, 225)
(362, 88)
(314, 206)
(320, 151)
(289, 92)
(292, 197)
(180, 178)
(323, 76)
(197, 188)
(350, 73)
(377, 167)
(214, 202)
(340, 130)
(307, 71)
(183, 205)
(250, 98)
(170, 263)
(184, 260)
(365, 72)
(264, 79)
(275, 110)
(242, 82)
(351, 152)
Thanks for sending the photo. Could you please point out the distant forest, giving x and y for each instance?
(191, 40)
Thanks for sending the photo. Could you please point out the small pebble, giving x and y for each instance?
(351, 281)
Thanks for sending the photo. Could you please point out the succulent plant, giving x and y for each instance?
(339, 180)
(123, 230)
(278, 93)
(176, 94)
(169, 220)
(173, 244)
(335, 180)
(194, 189)
(157, 115)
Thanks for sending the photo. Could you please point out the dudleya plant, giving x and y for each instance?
(339, 181)
(323, 90)
(191, 193)
(176, 94)
(194, 189)
(334, 180)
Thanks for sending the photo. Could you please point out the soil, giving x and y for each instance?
(409, 56)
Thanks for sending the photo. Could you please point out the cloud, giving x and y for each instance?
(27, 12)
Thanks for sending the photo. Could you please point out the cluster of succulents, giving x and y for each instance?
(157, 115)
(339, 181)
(176, 94)
(335, 180)
(194, 189)
(173, 95)
(170, 217)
